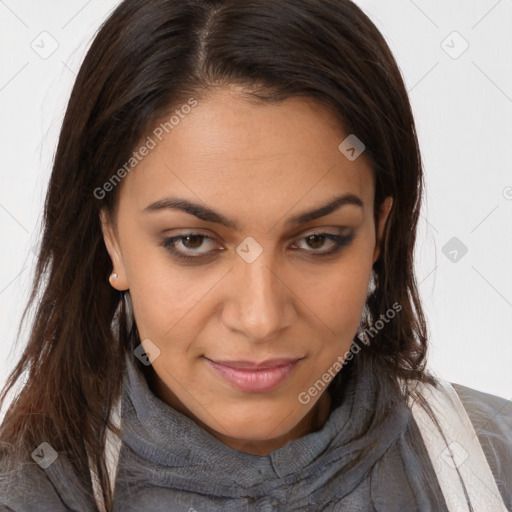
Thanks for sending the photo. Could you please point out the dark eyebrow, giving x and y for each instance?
(322, 211)
(209, 215)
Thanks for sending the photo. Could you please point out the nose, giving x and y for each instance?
(259, 304)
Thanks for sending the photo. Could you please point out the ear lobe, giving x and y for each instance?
(114, 251)
(383, 216)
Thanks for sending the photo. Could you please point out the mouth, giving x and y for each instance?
(253, 376)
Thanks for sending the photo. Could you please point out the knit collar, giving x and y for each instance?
(158, 433)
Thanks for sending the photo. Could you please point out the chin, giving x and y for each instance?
(253, 427)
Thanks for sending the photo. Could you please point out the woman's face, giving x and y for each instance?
(247, 282)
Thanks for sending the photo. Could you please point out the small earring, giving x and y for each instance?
(114, 276)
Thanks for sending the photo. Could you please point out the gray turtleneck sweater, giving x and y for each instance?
(168, 463)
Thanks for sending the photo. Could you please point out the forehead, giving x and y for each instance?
(228, 150)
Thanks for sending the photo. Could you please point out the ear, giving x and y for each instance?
(114, 250)
(383, 216)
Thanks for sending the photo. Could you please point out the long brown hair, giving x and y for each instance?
(147, 59)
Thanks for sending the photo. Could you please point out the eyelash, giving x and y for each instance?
(340, 241)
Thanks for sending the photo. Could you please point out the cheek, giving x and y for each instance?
(342, 306)
(340, 309)
(338, 296)
(163, 308)
(162, 294)
(339, 302)
(348, 296)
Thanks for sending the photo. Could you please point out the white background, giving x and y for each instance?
(463, 110)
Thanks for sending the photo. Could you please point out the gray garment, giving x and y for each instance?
(168, 463)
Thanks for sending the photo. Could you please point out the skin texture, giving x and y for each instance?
(258, 165)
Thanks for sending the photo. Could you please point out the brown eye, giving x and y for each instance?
(192, 241)
(316, 241)
(188, 245)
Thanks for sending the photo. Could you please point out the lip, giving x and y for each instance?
(255, 377)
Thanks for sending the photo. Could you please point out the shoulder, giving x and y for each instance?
(488, 413)
(30, 487)
(27, 488)
(491, 417)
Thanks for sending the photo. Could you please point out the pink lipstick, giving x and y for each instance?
(255, 377)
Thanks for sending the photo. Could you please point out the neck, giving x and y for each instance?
(314, 420)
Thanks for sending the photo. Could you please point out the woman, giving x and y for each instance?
(229, 317)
